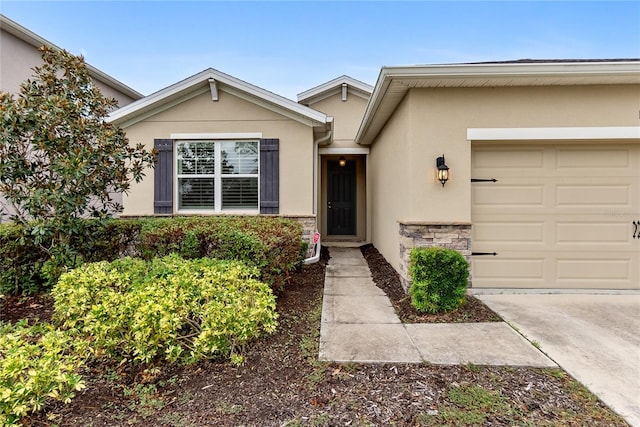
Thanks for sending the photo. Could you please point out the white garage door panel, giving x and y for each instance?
(560, 216)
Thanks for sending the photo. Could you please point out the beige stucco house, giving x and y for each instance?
(562, 141)
(543, 158)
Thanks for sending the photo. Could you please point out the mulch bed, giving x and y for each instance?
(281, 383)
(387, 279)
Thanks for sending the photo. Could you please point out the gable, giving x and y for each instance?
(227, 108)
(216, 83)
(344, 85)
(347, 115)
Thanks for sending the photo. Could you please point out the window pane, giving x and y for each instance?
(195, 193)
(239, 157)
(239, 193)
(196, 158)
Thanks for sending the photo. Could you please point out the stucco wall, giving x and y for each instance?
(432, 122)
(231, 114)
(347, 116)
(17, 60)
(389, 177)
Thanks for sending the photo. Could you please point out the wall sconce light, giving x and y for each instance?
(443, 170)
(342, 162)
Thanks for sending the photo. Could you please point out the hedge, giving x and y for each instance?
(271, 244)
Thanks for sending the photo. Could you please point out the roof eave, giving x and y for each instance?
(511, 74)
(331, 85)
(199, 83)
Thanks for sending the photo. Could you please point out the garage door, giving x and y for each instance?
(559, 216)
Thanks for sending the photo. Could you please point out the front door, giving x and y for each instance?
(341, 198)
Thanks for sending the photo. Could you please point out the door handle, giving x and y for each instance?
(329, 205)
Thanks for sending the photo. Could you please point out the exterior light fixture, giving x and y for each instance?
(443, 170)
(342, 162)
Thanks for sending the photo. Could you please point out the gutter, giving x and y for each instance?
(316, 236)
(316, 257)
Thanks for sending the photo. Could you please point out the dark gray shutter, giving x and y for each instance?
(163, 177)
(269, 176)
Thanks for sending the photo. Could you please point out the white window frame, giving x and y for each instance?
(217, 178)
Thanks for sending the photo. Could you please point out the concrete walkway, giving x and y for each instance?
(359, 324)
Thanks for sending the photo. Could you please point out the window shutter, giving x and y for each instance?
(163, 177)
(269, 176)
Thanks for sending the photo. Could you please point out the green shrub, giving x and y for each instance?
(168, 308)
(439, 279)
(20, 262)
(37, 363)
(271, 244)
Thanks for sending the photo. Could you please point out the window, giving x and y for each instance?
(217, 175)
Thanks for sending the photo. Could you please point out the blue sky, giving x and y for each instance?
(289, 47)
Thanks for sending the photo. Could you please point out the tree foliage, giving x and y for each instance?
(59, 158)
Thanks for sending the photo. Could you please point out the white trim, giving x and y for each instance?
(131, 113)
(181, 136)
(338, 150)
(160, 108)
(217, 177)
(384, 102)
(334, 84)
(214, 89)
(561, 133)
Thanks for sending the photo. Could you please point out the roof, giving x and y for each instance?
(394, 82)
(333, 87)
(36, 41)
(211, 80)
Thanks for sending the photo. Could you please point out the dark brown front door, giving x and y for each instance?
(341, 198)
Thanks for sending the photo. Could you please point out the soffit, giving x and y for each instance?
(394, 82)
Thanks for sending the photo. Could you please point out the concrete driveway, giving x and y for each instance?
(595, 338)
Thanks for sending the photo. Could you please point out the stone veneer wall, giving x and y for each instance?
(455, 235)
(308, 228)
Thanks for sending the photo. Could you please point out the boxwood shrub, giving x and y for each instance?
(165, 309)
(439, 279)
